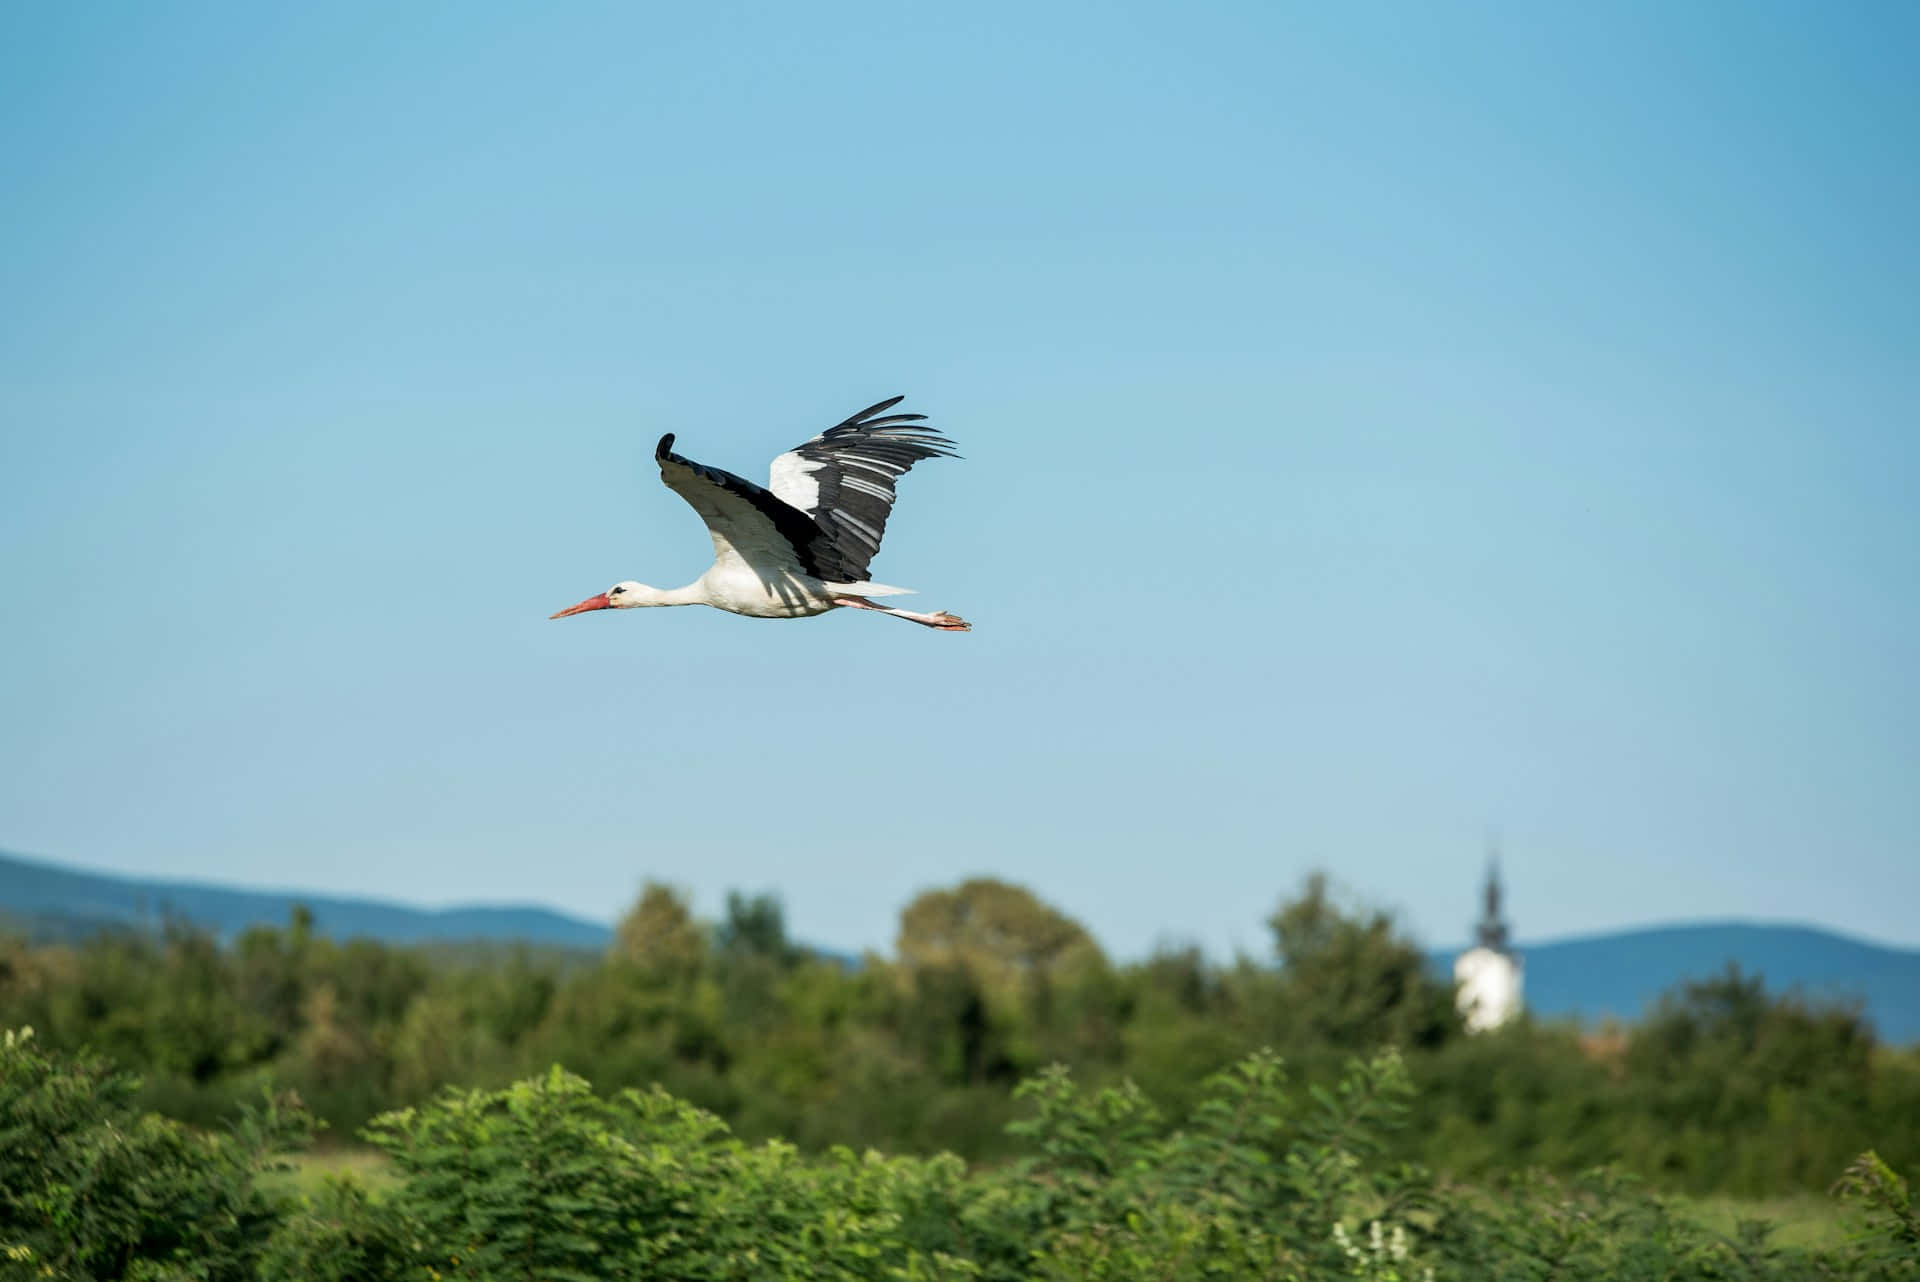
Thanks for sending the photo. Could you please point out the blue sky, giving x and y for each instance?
(1384, 425)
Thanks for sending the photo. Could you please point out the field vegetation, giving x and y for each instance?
(997, 1100)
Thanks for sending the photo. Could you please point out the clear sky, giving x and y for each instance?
(1385, 425)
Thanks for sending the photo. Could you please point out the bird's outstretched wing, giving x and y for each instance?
(843, 479)
(747, 523)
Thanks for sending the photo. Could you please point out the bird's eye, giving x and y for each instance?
(616, 592)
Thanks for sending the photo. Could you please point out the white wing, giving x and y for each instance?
(749, 526)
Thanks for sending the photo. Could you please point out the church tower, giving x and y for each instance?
(1489, 973)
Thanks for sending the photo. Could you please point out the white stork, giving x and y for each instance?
(801, 546)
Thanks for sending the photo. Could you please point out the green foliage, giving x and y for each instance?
(91, 1189)
(1891, 1247)
(1351, 981)
(1253, 1186)
(544, 1179)
(659, 935)
(1725, 1089)
(1738, 1089)
(1000, 931)
(756, 927)
(340, 1233)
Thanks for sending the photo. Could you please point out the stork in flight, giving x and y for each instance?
(801, 546)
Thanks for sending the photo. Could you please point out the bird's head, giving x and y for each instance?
(621, 596)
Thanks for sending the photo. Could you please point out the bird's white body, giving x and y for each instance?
(778, 594)
(772, 593)
(825, 511)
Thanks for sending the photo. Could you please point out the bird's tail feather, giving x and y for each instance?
(869, 589)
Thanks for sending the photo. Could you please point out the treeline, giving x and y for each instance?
(1724, 1088)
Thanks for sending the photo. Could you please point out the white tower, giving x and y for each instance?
(1489, 973)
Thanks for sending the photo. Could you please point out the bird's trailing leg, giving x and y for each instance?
(940, 619)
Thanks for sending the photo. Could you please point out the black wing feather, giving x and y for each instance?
(812, 545)
(854, 465)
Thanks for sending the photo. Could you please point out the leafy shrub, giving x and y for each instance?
(338, 1234)
(90, 1189)
(546, 1180)
(1891, 1248)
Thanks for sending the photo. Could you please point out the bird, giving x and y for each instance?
(800, 546)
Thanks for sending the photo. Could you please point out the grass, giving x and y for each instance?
(1805, 1220)
(309, 1170)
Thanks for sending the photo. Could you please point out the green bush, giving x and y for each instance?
(91, 1189)
(546, 1180)
(340, 1233)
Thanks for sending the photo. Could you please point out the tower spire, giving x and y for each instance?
(1492, 930)
(1489, 973)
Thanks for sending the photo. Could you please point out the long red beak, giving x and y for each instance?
(591, 603)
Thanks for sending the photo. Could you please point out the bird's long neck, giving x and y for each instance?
(691, 594)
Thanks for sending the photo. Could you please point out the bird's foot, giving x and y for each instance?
(948, 622)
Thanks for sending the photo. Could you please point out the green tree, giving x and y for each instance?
(659, 934)
(1734, 1088)
(755, 926)
(1351, 980)
(1001, 932)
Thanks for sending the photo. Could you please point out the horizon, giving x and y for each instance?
(1381, 428)
(701, 913)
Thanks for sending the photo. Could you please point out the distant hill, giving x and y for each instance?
(1596, 977)
(49, 901)
(1621, 974)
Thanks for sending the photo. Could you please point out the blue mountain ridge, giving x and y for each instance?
(1593, 978)
(1621, 974)
(47, 898)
